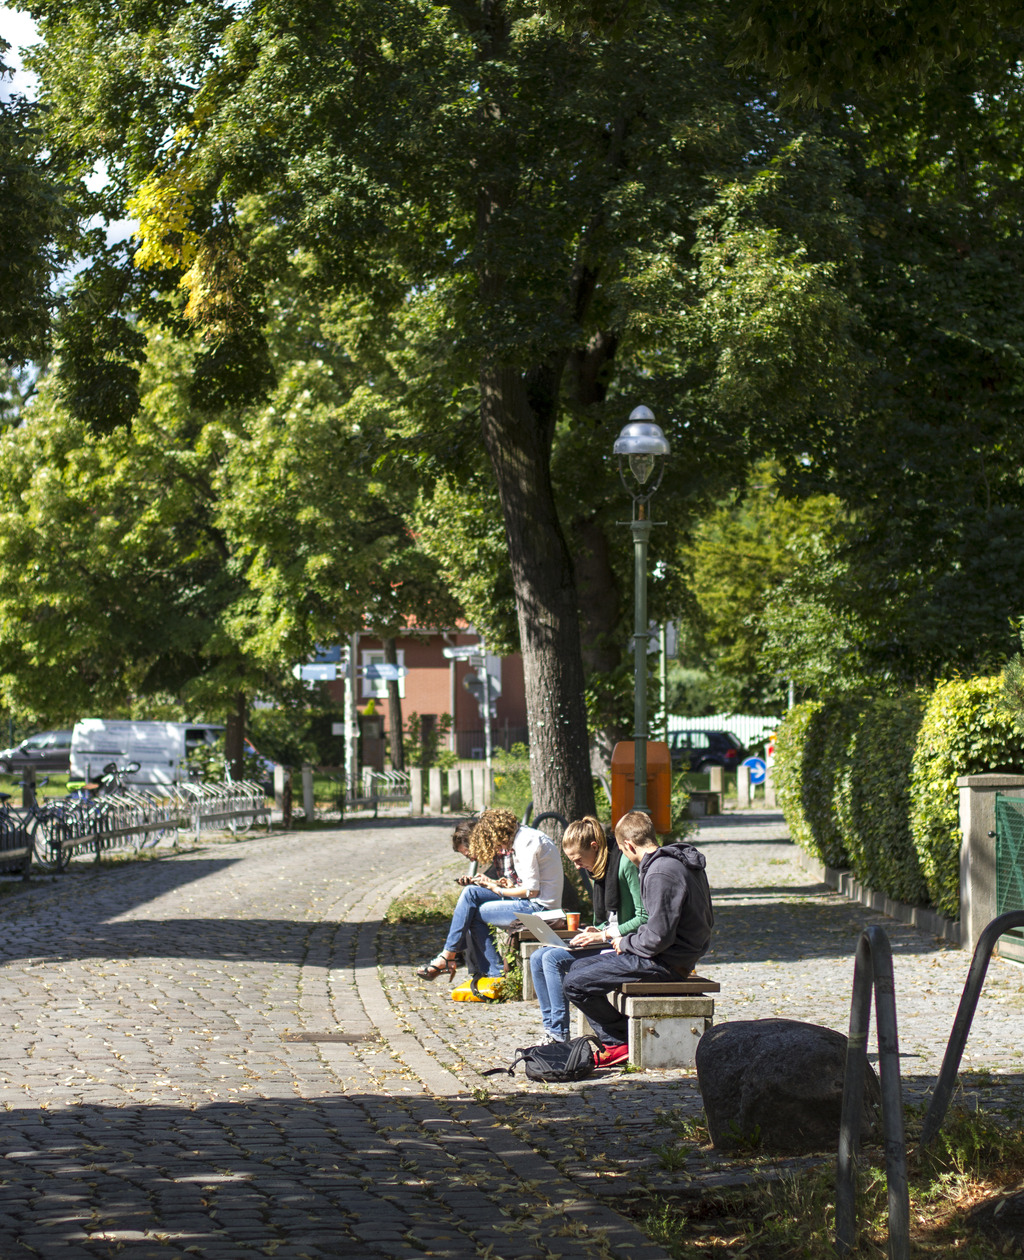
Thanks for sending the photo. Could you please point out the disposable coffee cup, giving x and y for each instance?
(572, 922)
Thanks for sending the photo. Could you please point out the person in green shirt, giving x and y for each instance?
(617, 910)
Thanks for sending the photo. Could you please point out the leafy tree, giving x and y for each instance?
(495, 202)
(36, 231)
(742, 555)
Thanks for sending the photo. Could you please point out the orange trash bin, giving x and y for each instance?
(659, 782)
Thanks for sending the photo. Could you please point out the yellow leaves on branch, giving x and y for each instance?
(213, 270)
(163, 207)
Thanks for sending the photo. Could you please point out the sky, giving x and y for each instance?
(19, 30)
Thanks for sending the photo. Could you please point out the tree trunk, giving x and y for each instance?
(602, 632)
(234, 737)
(517, 420)
(394, 709)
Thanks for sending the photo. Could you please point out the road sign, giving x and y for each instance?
(463, 653)
(318, 673)
(384, 672)
(757, 768)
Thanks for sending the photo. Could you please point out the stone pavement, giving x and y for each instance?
(225, 1052)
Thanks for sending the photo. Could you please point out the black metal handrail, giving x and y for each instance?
(939, 1104)
(873, 969)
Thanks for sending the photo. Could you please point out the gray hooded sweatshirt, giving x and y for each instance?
(675, 893)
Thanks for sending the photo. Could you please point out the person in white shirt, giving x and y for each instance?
(536, 886)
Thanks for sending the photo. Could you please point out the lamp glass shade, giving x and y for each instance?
(641, 466)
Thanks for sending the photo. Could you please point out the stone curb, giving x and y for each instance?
(845, 882)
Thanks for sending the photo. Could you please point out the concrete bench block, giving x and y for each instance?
(526, 951)
(663, 1030)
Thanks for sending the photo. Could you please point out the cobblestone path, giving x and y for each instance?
(168, 1091)
(226, 1053)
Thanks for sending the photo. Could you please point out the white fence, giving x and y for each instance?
(749, 729)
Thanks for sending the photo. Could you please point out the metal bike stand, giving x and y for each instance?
(873, 969)
(939, 1104)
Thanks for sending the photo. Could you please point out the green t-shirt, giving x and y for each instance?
(631, 909)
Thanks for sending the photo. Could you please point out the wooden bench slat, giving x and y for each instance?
(669, 988)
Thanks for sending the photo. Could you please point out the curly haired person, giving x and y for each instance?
(533, 883)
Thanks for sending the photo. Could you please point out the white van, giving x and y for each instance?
(160, 748)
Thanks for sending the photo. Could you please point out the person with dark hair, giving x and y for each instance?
(675, 893)
(534, 883)
(617, 910)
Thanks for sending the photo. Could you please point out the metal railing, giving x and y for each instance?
(873, 970)
(939, 1104)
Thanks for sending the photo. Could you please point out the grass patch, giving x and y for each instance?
(426, 907)
(973, 1160)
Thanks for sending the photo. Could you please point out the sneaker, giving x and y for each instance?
(553, 1039)
(610, 1055)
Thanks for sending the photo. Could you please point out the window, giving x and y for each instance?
(378, 687)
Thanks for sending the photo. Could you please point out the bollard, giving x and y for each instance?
(308, 800)
(416, 792)
(716, 779)
(434, 789)
(742, 787)
(466, 779)
(479, 798)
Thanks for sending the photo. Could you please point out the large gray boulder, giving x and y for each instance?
(777, 1085)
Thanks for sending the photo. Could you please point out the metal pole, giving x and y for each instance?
(351, 727)
(641, 536)
(486, 679)
(663, 649)
(962, 1023)
(873, 969)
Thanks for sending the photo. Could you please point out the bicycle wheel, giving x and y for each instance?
(49, 830)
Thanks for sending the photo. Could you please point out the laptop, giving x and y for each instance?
(547, 935)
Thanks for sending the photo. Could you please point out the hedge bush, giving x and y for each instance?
(965, 730)
(811, 755)
(870, 784)
(875, 801)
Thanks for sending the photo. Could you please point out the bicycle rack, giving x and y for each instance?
(939, 1104)
(873, 970)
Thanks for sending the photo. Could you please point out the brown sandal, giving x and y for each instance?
(436, 967)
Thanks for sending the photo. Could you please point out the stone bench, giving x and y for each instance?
(665, 1020)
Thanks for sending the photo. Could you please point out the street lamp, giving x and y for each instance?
(641, 444)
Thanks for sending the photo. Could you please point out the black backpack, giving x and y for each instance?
(559, 1061)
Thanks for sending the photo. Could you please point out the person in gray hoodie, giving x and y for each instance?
(674, 890)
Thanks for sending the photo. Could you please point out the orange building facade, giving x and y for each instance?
(434, 685)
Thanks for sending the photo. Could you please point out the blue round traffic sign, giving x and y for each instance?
(757, 768)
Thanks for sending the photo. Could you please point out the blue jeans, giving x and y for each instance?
(475, 911)
(548, 966)
(588, 980)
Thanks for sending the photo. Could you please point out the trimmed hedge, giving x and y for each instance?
(870, 784)
(966, 730)
(876, 803)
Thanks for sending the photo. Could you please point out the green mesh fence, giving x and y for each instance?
(1010, 869)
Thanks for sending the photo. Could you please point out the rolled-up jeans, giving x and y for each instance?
(478, 909)
(548, 966)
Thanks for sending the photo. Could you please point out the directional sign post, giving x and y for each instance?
(758, 769)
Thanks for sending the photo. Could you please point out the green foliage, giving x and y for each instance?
(423, 908)
(873, 799)
(299, 732)
(872, 783)
(965, 730)
(423, 747)
(812, 760)
(512, 789)
(206, 764)
(741, 555)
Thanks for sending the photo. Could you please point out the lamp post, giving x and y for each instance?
(641, 444)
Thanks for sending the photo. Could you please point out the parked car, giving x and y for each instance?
(49, 750)
(160, 748)
(701, 750)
